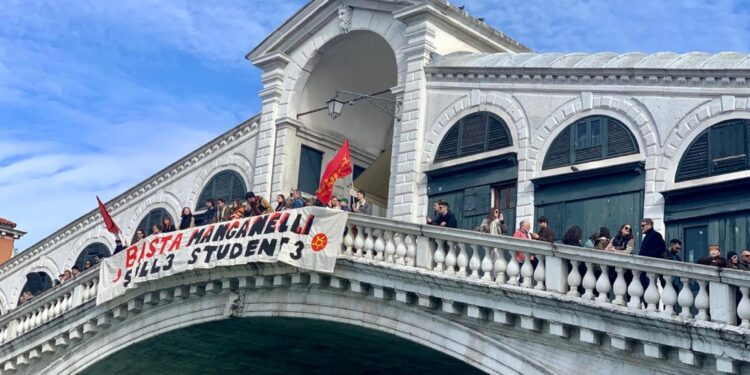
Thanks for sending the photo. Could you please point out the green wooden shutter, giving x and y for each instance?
(90, 252)
(226, 184)
(619, 140)
(448, 148)
(153, 217)
(309, 170)
(695, 163)
(498, 134)
(728, 147)
(558, 154)
(473, 135)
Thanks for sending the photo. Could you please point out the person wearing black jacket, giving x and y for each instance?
(447, 218)
(652, 245)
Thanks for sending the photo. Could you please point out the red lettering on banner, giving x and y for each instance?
(152, 247)
(164, 241)
(130, 256)
(176, 242)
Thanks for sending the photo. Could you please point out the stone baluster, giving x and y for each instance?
(702, 301)
(603, 286)
(499, 266)
(685, 299)
(439, 256)
(635, 289)
(487, 264)
(349, 239)
(574, 279)
(450, 259)
(620, 287)
(379, 245)
(743, 308)
(411, 250)
(514, 269)
(652, 293)
(474, 262)
(400, 257)
(589, 282)
(390, 247)
(462, 260)
(45, 313)
(539, 273)
(668, 296)
(58, 308)
(359, 242)
(527, 272)
(369, 243)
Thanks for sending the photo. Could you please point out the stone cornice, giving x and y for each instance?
(461, 21)
(604, 76)
(152, 183)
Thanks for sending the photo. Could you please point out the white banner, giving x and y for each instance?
(307, 238)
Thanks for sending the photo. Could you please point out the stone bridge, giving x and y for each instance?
(403, 296)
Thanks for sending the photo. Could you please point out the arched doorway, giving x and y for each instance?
(716, 211)
(581, 190)
(278, 346)
(154, 217)
(227, 184)
(360, 62)
(36, 284)
(471, 188)
(93, 252)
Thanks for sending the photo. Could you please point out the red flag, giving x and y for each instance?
(339, 166)
(108, 222)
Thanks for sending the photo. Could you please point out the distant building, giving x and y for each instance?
(8, 236)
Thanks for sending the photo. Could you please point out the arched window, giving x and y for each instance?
(723, 148)
(153, 217)
(226, 184)
(36, 283)
(589, 139)
(475, 133)
(92, 252)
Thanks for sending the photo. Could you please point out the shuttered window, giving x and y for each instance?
(226, 184)
(473, 134)
(310, 162)
(589, 139)
(93, 252)
(723, 148)
(153, 217)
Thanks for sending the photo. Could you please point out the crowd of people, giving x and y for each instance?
(652, 243)
(64, 277)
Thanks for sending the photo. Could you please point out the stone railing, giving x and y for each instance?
(693, 294)
(685, 291)
(49, 305)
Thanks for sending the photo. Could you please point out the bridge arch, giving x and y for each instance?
(289, 300)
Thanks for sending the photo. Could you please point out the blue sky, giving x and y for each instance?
(92, 93)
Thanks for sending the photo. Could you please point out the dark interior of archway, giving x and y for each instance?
(277, 346)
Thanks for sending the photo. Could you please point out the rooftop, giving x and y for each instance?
(603, 60)
(7, 223)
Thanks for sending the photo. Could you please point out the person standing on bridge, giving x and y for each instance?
(653, 245)
(545, 233)
(523, 232)
(494, 223)
(362, 206)
(447, 218)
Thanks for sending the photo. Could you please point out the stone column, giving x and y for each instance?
(408, 135)
(273, 67)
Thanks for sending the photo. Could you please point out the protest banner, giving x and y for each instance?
(308, 238)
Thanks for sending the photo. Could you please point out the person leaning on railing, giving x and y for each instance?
(623, 241)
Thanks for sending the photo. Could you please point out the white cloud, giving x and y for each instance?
(78, 122)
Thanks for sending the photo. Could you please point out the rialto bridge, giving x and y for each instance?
(405, 297)
(593, 140)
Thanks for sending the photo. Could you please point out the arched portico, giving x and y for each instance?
(360, 61)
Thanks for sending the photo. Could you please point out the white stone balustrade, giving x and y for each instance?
(49, 305)
(686, 291)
